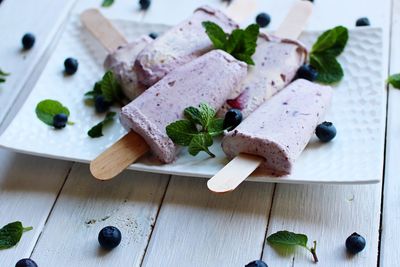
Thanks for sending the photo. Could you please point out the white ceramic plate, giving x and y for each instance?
(358, 111)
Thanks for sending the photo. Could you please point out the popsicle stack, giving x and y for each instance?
(181, 69)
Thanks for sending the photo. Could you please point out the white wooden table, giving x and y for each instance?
(174, 221)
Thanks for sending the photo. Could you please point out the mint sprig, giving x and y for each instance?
(288, 239)
(107, 3)
(241, 43)
(47, 109)
(394, 80)
(11, 234)
(108, 87)
(97, 130)
(324, 53)
(197, 130)
(3, 76)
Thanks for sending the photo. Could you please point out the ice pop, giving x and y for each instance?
(209, 79)
(121, 62)
(279, 130)
(179, 45)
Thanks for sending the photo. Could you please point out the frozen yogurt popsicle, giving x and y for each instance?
(121, 62)
(209, 79)
(280, 129)
(179, 45)
(276, 63)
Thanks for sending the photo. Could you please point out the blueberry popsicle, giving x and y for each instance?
(212, 78)
(179, 45)
(279, 130)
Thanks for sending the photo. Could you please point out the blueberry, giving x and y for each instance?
(144, 4)
(256, 263)
(153, 35)
(26, 263)
(109, 237)
(101, 104)
(326, 131)
(362, 22)
(233, 118)
(71, 65)
(355, 243)
(28, 40)
(307, 72)
(263, 19)
(60, 120)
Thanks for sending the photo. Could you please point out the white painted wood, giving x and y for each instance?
(389, 248)
(129, 202)
(198, 228)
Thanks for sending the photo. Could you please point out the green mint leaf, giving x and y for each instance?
(207, 113)
(332, 41)
(2, 73)
(3, 76)
(97, 130)
(47, 109)
(2, 80)
(182, 132)
(216, 34)
(96, 90)
(235, 42)
(329, 69)
(394, 80)
(11, 234)
(193, 114)
(201, 142)
(107, 3)
(245, 58)
(110, 88)
(216, 127)
(250, 39)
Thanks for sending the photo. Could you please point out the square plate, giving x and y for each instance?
(358, 112)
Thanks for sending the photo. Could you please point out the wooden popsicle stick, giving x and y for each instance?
(102, 29)
(238, 169)
(240, 10)
(119, 156)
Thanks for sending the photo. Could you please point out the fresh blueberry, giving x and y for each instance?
(60, 120)
(233, 118)
(28, 40)
(355, 243)
(362, 22)
(263, 19)
(307, 72)
(256, 263)
(26, 263)
(144, 4)
(109, 237)
(71, 65)
(153, 35)
(326, 131)
(101, 104)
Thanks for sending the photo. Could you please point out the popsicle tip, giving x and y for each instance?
(217, 187)
(99, 171)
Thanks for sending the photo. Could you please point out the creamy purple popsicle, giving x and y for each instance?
(280, 129)
(276, 63)
(209, 79)
(121, 62)
(179, 45)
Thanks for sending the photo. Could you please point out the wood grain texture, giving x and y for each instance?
(86, 205)
(197, 227)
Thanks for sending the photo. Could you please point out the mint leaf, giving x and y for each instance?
(394, 80)
(47, 109)
(96, 90)
(235, 42)
(110, 88)
(329, 69)
(332, 41)
(289, 240)
(193, 114)
(216, 127)
(250, 38)
(207, 113)
(107, 3)
(182, 132)
(201, 142)
(97, 130)
(3, 76)
(11, 234)
(216, 34)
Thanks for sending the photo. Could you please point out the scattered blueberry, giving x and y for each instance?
(26, 263)
(109, 237)
(71, 65)
(355, 243)
(326, 131)
(263, 19)
(28, 40)
(233, 118)
(144, 4)
(256, 263)
(101, 104)
(153, 35)
(307, 72)
(362, 22)
(60, 120)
